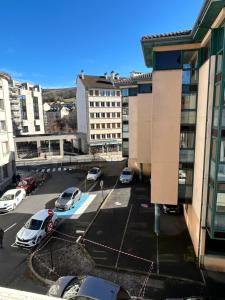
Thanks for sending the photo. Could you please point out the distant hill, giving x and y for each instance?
(51, 95)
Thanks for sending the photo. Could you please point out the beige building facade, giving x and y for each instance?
(177, 128)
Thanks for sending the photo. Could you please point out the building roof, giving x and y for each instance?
(166, 35)
(5, 75)
(92, 81)
(134, 79)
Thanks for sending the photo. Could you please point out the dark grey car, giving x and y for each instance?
(67, 199)
(88, 287)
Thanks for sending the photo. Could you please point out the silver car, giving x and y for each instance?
(67, 199)
(88, 287)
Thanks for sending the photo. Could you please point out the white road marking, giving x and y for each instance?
(14, 245)
(64, 169)
(83, 207)
(98, 251)
(92, 186)
(101, 258)
(48, 170)
(10, 227)
(59, 169)
(53, 170)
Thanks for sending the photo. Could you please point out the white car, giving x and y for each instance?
(36, 228)
(94, 173)
(126, 175)
(11, 199)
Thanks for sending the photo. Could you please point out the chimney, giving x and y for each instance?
(82, 74)
(117, 76)
(112, 75)
(106, 75)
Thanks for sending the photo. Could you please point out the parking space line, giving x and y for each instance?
(124, 233)
(53, 170)
(100, 258)
(10, 227)
(48, 170)
(59, 169)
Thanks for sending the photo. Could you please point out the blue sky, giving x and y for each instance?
(50, 41)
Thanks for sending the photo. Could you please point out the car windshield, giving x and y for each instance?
(72, 288)
(93, 171)
(7, 197)
(126, 173)
(33, 224)
(66, 195)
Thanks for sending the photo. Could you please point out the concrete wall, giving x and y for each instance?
(166, 114)
(193, 215)
(82, 110)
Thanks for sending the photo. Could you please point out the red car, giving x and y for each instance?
(28, 184)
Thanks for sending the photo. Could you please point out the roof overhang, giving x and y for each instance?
(207, 15)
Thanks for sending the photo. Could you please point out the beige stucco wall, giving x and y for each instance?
(140, 117)
(166, 113)
(214, 263)
(194, 211)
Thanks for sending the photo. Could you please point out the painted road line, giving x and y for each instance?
(104, 203)
(64, 169)
(53, 170)
(91, 188)
(59, 169)
(10, 227)
(14, 245)
(98, 251)
(83, 207)
(48, 170)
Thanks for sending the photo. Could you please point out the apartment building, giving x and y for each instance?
(99, 114)
(184, 116)
(7, 160)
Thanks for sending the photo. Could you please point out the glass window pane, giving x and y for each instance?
(144, 88)
(185, 192)
(125, 127)
(168, 60)
(133, 91)
(125, 135)
(217, 96)
(188, 101)
(187, 139)
(190, 59)
(188, 117)
(186, 176)
(220, 202)
(186, 155)
(222, 151)
(209, 217)
(210, 196)
(219, 63)
(219, 222)
(212, 169)
(124, 92)
(221, 172)
(213, 150)
(223, 118)
(215, 117)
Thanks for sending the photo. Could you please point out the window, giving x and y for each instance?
(97, 115)
(2, 104)
(118, 135)
(118, 104)
(113, 125)
(113, 104)
(91, 92)
(2, 126)
(92, 126)
(25, 129)
(102, 93)
(113, 115)
(118, 125)
(108, 104)
(37, 128)
(103, 125)
(144, 88)
(113, 135)
(97, 126)
(96, 104)
(118, 115)
(108, 135)
(103, 136)
(168, 60)
(107, 93)
(190, 59)
(96, 92)
(125, 92)
(23, 107)
(188, 117)
(125, 127)
(118, 93)
(187, 140)
(91, 104)
(108, 115)
(220, 203)
(92, 115)
(36, 108)
(186, 155)
(5, 148)
(92, 136)
(188, 101)
(98, 136)
(102, 104)
(103, 115)
(133, 91)
(113, 93)
(108, 125)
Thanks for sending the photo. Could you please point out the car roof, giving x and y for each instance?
(40, 215)
(12, 191)
(70, 189)
(98, 288)
(95, 168)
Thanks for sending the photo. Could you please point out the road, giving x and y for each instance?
(14, 272)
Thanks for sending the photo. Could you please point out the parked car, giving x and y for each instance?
(67, 199)
(87, 287)
(126, 176)
(11, 199)
(172, 209)
(28, 184)
(36, 228)
(94, 173)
